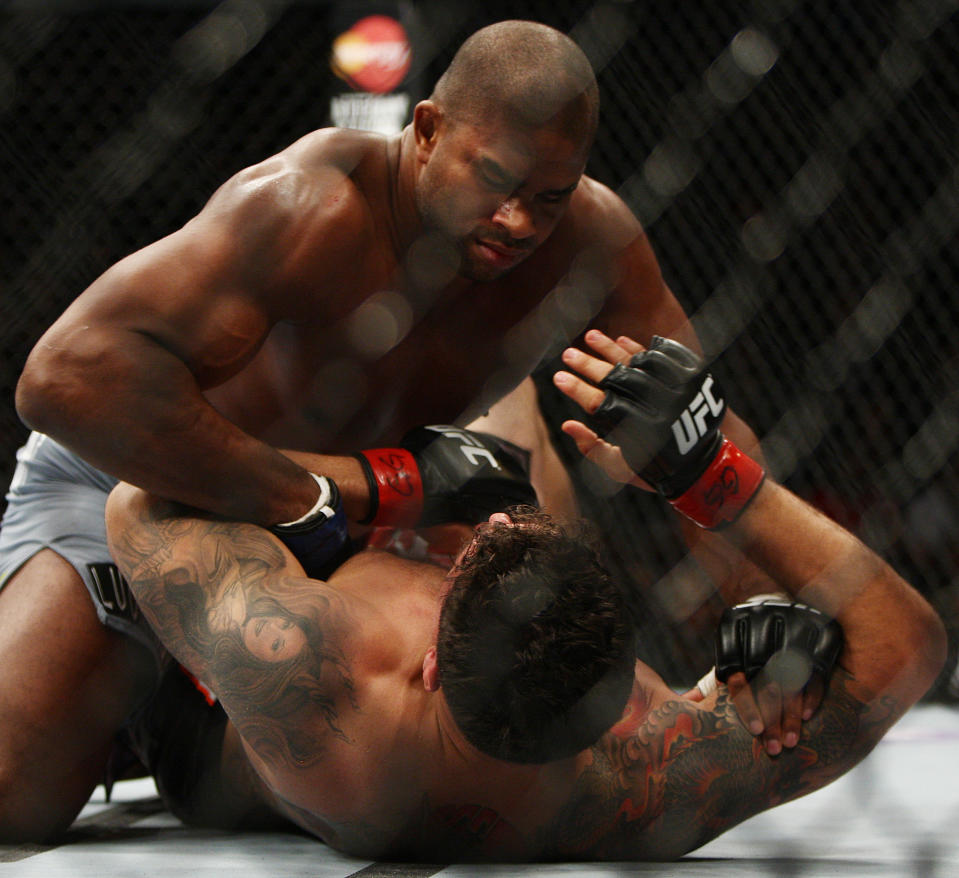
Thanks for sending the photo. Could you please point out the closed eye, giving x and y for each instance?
(555, 196)
(495, 176)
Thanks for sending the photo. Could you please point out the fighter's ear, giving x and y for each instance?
(431, 674)
(427, 121)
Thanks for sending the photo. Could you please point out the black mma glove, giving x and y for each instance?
(319, 540)
(797, 638)
(445, 474)
(663, 410)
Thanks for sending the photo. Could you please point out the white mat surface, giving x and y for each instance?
(896, 815)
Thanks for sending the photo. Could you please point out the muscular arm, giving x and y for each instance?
(119, 378)
(893, 648)
(233, 606)
(642, 305)
(688, 772)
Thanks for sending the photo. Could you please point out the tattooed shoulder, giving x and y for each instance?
(268, 643)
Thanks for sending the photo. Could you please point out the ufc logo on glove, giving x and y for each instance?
(691, 426)
(471, 448)
(443, 473)
(689, 462)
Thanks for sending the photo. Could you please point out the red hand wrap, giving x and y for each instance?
(721, 493)
(396, 490)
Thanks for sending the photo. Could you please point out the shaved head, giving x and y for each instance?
(525, 72)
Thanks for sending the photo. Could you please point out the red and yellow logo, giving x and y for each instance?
(373, 55)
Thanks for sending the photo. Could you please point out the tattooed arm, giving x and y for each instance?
(686, 772)
(231, 604)
(691, 771)
(663, 786)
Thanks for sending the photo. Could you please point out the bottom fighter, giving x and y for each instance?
(494, 711)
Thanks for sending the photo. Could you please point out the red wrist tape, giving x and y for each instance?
(721, 493)
(396, 489)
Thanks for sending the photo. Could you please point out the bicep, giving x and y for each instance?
(191, 294)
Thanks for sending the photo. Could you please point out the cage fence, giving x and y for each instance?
(795, 164)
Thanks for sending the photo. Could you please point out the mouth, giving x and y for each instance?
(499, 255)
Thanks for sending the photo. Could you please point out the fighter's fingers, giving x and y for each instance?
(608, 353)
(609, 350)
(585, 395)
(792, 718)
(812, 696)
(741, 695)
(629, 345)
(592, 368)
(770, 700)
(586, 439)
(608, 457)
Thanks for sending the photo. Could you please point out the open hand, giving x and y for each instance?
(589, 397)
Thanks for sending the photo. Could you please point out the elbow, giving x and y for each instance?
(38, 391)
(57, 388)
(922, 650)
(898, 644)
(934, 646)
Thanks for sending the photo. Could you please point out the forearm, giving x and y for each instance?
(134, 410)
(894, 640)
(734, 576)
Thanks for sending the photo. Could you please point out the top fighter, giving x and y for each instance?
(330, 298)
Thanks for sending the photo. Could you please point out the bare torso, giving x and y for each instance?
(308, 389)
(391, 350)
(309, 306)
(391, 781)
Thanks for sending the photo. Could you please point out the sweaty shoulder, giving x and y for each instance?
(597, 215)
(305, 213)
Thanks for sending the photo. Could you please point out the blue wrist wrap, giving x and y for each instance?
(320, 540)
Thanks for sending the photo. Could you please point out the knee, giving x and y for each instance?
(34, 813)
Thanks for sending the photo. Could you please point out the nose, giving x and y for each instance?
(514, 216)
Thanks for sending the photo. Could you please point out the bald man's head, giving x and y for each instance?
(528, 74)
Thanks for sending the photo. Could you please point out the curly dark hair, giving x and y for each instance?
(535, 649)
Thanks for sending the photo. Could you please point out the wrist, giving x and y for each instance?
(395, 486)
(319, 540)
(724, 489)
(324, 506)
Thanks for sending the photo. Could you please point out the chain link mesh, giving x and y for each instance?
(795, 165)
